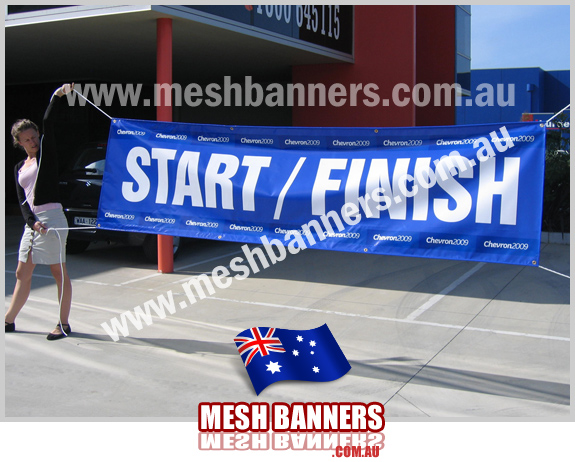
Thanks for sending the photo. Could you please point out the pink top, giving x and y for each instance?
(27, 179)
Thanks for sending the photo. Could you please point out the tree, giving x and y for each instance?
(556, 201)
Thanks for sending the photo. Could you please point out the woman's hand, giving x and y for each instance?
(40, 227)
(65, 89)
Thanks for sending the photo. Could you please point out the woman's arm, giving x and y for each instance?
(48, 123)
(47, 189)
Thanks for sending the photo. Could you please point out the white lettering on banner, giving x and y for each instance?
(378, 177)
(187, 180)
(245, 140)
(507, 188)
(380, 237)
(352, 144)
(203, 224)
(456, 191)
(289, 142)
(395, 187)
(169, 221)
(131, 195)
(404, 143)
(213, 178)
(248, 228)
(130, 132)
(486, 151)
(323, 183)
(454, 142)
(353, 181)
(172, 137)
(421, 193)
(342, 235)
(255, 165)
(299, 232)
(460, 242)
(506, 245)
(120, 216)
(449, 169)
(219, 139)
(219, 172)
(163, 156)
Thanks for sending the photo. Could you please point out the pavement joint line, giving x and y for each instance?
(121, 284)
(194, 276)
(408, 401)
(71, 357)
(180, 268)
(140, 279)
(436, 298)
(399, 320)
(80, 305)
(187, 278)
(339, 313)
(210, 259)
(85, 281)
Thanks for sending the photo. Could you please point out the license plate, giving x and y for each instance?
(84, 221)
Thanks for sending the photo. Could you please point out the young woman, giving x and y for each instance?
(37, 188)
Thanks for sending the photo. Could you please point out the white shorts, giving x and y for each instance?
(49, 248)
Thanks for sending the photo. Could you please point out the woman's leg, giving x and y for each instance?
(21, 290)
(64, 285)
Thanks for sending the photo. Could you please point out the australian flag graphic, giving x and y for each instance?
(272, 354)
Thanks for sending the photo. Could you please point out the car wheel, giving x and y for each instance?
(151, 247)
(73, 246)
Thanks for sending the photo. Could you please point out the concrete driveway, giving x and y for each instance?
(428, 338)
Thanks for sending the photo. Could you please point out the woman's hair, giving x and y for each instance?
(19, 127)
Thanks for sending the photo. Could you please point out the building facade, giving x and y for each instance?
(515, 92)
(377, 51)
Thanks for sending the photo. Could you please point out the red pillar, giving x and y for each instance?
(164, 113)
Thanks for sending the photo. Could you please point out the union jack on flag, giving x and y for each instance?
(257, 344)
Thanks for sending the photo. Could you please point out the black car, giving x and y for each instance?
(80, 188)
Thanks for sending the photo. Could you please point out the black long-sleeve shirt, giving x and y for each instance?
(46, 188)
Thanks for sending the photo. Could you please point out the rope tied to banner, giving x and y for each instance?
(555, 272)
(57, 231)
(549, 120)
(109, 117)
(542, 267)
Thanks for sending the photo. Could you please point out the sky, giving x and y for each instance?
(505, 36)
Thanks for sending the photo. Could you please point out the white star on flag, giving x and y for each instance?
(299, 338)
(315, 369)
(273, 367)
(295, 353)
(312, 343)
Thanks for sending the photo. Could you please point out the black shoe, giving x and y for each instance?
(9, 326)
(64, 332)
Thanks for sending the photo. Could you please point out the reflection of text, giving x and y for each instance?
(342, 443)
